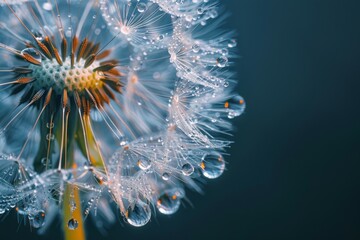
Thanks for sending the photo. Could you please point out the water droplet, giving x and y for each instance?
(96, 116)
(50, 137)
(169, 202)
(97, 31)
(221, 61)
(38, 220)
(33, 53)
(46, 161)
(165, 176)
(224, 52)
(187, 169)
(141, 7)
(72, 206)
(144, 164)
(139, 214)
(2, 210)
(212, 165)
(39, 38)
(68, 33)
(235, 106)
(232, 43)
(195, 48)
(73, 224)
(188, 18)
(213, 13)
(47, 6)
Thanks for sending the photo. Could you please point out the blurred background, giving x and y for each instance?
(294, 168)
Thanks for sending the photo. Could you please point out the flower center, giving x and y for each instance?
(52, 75)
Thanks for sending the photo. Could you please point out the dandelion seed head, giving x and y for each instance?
(76, 78)
(123, 103)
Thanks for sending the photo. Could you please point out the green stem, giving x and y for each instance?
(79, 133)
(72, 194)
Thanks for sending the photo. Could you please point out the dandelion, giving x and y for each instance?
(111, 106)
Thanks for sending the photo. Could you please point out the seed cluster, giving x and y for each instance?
(52, 75)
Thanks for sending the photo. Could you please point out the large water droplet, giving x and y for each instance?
(187, 169)
(33, 53)
(38, 220)
(212, 165)
(169, 202)
(144, 164)
(235, 106)
(139, 214)
(73, 224)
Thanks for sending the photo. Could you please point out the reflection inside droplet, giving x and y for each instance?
(73, 224)
(212, 165)
(169, 202)
(139, 214)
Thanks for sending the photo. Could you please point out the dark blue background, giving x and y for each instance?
(294, 169)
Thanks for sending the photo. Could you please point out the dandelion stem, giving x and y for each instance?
(72, 194)
(79, 232)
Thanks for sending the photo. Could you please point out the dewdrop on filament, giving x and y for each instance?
(111, 107)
